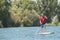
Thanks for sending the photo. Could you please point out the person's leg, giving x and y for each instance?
(41, 29)
(44, 29)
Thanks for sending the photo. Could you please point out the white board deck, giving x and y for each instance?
(46, 32)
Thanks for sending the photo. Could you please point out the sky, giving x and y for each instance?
(58, 1)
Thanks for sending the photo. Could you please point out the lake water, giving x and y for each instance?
(29, 33)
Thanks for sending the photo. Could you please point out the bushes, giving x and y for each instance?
(1, 24)
(26, 12)
(55, 20)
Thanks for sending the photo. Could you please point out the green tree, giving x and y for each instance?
(4, 14)
(23, 12)
(49, 8)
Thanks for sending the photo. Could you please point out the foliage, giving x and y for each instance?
(55, 20)
(24, 12)
(27, 12)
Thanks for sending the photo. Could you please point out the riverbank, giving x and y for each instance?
(50, 24)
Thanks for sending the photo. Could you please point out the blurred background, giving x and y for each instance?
(26, 13)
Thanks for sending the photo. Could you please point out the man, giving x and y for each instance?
(43, 22)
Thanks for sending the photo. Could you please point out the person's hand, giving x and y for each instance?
(45, 17)
(40, 23)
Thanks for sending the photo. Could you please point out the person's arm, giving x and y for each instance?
(40, 22)
(45, 17)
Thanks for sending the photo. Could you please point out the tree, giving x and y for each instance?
(26, 12)
(55, 20)
(4, 14)
(49, 8)
(23, 12)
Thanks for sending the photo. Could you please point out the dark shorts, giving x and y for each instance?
(42, 25)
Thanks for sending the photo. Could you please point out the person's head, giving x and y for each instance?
(42, 14)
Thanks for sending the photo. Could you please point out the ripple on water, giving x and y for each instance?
(28, 34)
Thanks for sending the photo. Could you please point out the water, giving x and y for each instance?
(29, 33)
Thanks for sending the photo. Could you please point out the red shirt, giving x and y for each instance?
(43, 19)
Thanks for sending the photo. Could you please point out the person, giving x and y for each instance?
(43, 22)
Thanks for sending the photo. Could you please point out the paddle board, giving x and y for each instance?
(46, 33)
